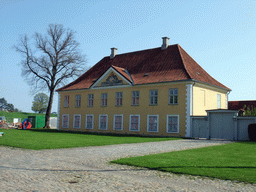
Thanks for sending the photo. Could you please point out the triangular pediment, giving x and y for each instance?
(113, 77)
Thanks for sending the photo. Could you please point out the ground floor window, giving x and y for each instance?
(172, 124)
(134, 123)
(89, 122)
(77, 121)
(65, 121)
(103, 122)
(118, 122)
(152, 125)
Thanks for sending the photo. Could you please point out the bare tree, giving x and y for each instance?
(53, 60)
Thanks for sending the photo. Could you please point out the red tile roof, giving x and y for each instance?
(236, 105)
(171, 64)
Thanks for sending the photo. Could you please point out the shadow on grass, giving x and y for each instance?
(97, 133)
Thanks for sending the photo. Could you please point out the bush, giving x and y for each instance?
(252, 132)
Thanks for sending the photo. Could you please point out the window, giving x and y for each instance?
(173, 96)
(135, 97)
(152, 123)
(104, 99)
(103, 122)
(119, 98)
(90, 100)
(134, 123)
(153, 97)
(218, 101)
(89, 122)
(66, 101)
(172, 124)
(78, 100)
(65, 121)
(77, 121)
(118, 122)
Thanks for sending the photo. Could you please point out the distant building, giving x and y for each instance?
(239, 105)
(148, 92)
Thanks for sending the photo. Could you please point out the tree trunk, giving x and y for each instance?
(49, 109)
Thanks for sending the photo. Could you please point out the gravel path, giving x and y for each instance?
(87, 169)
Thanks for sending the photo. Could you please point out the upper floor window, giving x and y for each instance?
(66, 101)
(77, 121)
(173, 96)
(78, 100)
(153, 98)
(135, 97)
(104, 99)
(172, 124)
(65, 121)
(119, 98)
(152, 123)
(90, 100)
(118, 122)
(218, 101)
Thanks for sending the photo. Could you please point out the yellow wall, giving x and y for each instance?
(144, 109)
(205, 98)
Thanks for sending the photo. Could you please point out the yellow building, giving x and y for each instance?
(148, 92)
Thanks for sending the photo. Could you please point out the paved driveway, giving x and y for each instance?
(87, 169)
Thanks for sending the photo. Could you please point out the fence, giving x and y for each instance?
(221, 124)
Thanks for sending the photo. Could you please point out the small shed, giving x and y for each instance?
(37, 121)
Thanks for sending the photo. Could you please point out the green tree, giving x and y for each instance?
(51, 62)
(249, 110)
(40, 103)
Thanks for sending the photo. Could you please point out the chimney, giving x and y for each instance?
(113, 52)
(165, 43)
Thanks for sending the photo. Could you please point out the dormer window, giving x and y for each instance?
(146, 74)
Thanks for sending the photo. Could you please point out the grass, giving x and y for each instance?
(23, 115)
(234, 161)
(38, 139)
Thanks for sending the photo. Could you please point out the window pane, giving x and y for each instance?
(175, 99)
(176, 91)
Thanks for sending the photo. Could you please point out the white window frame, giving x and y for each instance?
(152, 95)
(130, 123)
(173, 95)
(90, 98)
(78, 101)
(218, 101)
(135, 95)
(114, 120)
(66, 101)
(167, 123)
(157, 123)
(103, 97)
(119, 98)
(63, 119)
(88, 115)
(79, 121)
(106, 121)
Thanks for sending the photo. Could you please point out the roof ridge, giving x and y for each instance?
(182, 59)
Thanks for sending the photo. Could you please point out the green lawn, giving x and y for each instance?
(235, 161)
(52, 139)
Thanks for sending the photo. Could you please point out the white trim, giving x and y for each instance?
(74, 121)
(218, 101)
(106, 121)
(189, 109)
(111, 69)
(157, 123)
(121, 122)
(112, 87)
(178, 123)
(130, 122)
(226, 101)
(58, 113)
(86, 121)
(62, 120)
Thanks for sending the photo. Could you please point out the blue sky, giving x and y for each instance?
(219, 35)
